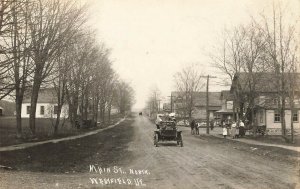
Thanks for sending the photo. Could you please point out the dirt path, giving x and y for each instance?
(203, 162)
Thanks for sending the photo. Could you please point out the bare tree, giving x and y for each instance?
(21, 46)
(228, 57)
(188, 83)
(124, 97)
(6, 87)
(15, 46)
(52, 23)
(282, 48)
(153, 100)
(255, 66)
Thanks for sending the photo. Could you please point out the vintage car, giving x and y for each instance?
(167, 131)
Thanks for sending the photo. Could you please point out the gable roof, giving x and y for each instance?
(214, 99)
(263, 81)
(226, 95)
(45, 96)
(200, 98)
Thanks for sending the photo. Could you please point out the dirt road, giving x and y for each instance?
(203, 162)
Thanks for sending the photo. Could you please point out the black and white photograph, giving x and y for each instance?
(150, 94)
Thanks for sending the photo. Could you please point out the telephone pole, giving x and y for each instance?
(207, 101)
(171, 98)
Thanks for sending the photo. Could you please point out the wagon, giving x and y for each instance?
(167, 132)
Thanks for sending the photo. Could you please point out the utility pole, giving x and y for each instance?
(207, 101)
(171, 98)
(171, 103)
(158, 106)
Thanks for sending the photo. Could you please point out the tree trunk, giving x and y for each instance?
(18, 114)
(74, 108)
(292, 127)
(34, 98)
(109, 113)
(57, 120)
(282, 115)
(253, 121)
(86, 105)
(16, 60)
(96, 112)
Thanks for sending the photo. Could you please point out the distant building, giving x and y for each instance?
(167, 107)
(199, 109)
(46, 105)
(226, 111)
(8, 107)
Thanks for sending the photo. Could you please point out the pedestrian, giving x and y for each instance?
(224, 131)
(237, 131)
(197, 128)
(192, 124)
(242, 129)
(233, 129)
(211, 125)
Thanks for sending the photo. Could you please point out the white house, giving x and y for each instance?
(268, 114)
(46, 105)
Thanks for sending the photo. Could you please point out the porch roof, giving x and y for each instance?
(224, 111)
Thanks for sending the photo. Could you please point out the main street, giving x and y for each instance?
(126, 157)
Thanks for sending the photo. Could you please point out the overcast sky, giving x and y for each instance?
(151, 40)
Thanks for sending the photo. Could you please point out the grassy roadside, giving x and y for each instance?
(44, 130)
(269, 152)
(275, 139)
(107, 148)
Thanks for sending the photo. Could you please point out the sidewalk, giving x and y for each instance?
(31, 144)
(217, 132)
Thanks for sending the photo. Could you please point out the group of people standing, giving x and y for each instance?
(194, 127)
(234, 129)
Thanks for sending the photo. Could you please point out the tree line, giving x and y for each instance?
(48, 44)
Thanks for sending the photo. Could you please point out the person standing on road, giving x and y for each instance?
(192, 124)
(242, 129)
(233, 129)
(224, 131)
(237, 130)
(197, 128)
(211, 125)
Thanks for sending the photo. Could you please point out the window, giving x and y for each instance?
(262, 99)
(229, 105)
(275, 101)
(42, 110)
(28, 109)
(261, 116)
(295, 116)
(276, 117)
(55, 109)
